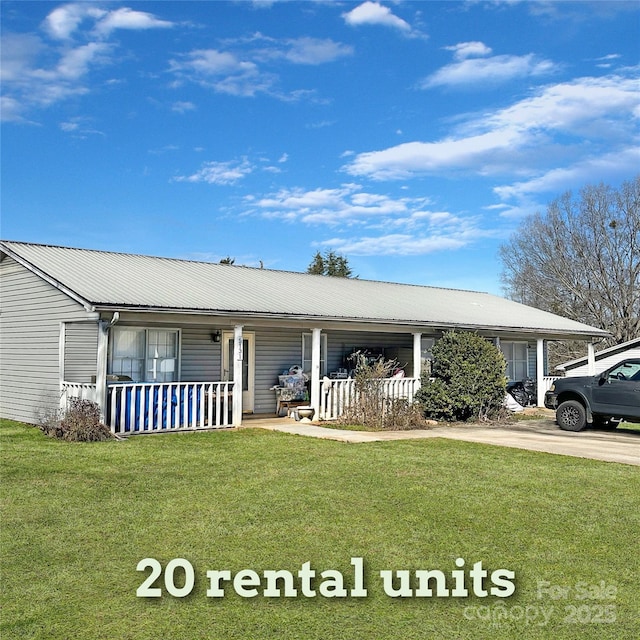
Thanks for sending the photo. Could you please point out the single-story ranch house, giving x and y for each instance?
(162, 343)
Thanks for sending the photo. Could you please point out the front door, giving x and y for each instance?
(248, 366)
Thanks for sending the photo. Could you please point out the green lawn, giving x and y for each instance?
(77, 518)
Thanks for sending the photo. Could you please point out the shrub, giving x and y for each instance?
(468, 380)
(370, 406)
(79, 423)
(402, 415)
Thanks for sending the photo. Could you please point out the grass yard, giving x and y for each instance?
(77, 518)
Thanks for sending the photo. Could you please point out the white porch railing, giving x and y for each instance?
(147, 407)
(170, 406)
(547, 381)
(80, 390)
(336, 395)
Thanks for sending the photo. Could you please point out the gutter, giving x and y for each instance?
(547, 333)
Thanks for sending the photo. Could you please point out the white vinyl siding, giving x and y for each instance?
(30, 324)
(199, 355)
(604, 363)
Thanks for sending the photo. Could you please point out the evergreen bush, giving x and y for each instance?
(468, 379)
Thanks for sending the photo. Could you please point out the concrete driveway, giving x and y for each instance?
(535, 435)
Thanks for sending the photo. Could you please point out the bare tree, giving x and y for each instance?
(581, 259)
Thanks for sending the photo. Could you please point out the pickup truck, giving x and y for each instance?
(602, 400)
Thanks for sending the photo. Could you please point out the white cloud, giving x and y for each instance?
(590, 115)
(182, 106)
(605, 168)
(465, 50)
(396, 244)
(75, 63)
(410, 158)
(315, 51)
(79, 127)
(585, 106)
(63, 21)
(242, 71)
(125, 18)
(222, 71)
(347, 204)
(373, 13)
(27, 85)
(608, 58)
(488, 71)
(19, 53)
(37, 73)
(10, 109)
(422, 230)
(220, 173)
(211, 62)
(69, 126)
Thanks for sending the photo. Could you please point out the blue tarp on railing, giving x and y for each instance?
(154, 407)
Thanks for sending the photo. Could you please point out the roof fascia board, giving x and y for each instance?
(47, 278)
(328, 322)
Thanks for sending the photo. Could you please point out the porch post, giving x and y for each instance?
(101, 368)
(315, 371)
(62, 342)
(237, 375)
(417, 355)
(540, 371)
(591, 360)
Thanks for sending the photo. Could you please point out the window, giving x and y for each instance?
(245, 361)
(426, 355)
(307, 339)
(515, 353)
(144, 355)
(626, 371)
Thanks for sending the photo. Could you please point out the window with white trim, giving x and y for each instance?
(307, 341)
(516, 355)
(144, 355)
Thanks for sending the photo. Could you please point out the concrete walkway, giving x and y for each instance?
(534, 435)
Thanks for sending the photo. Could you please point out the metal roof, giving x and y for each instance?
(102, 279)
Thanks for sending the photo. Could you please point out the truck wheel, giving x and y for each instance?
(571, 416)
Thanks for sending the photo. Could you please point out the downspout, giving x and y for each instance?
(101, 366)
(62, 345)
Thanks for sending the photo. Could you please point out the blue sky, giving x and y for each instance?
(411, 137)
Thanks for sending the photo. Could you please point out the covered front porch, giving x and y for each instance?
(214, 375)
